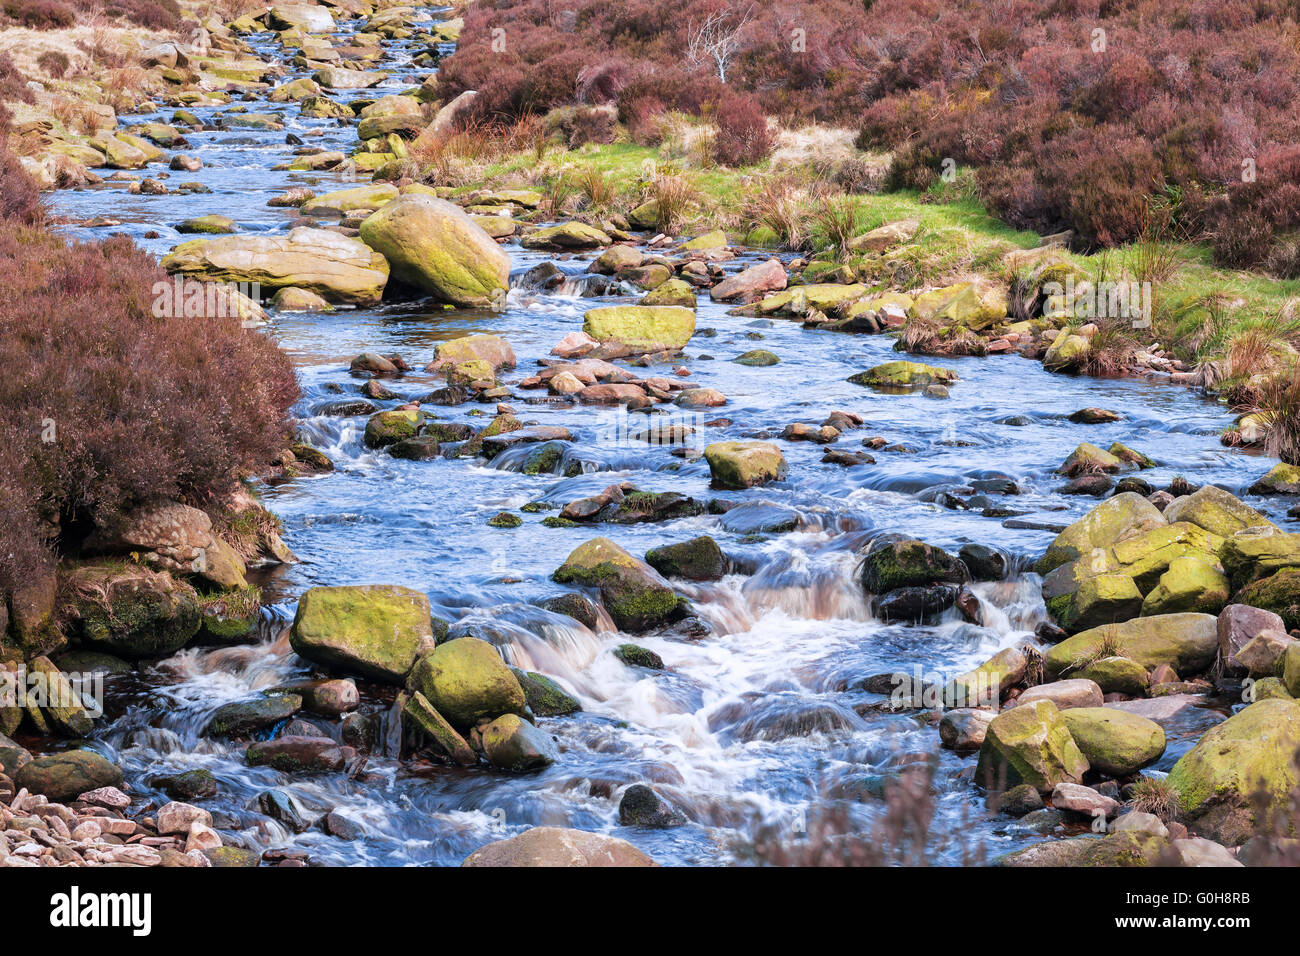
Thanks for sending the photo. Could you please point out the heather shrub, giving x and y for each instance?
(104, 404)
(54, 62)
(40, 14)
(743, 137)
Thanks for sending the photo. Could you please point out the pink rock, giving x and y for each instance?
(110, 797)
(179, 817)
(574, 345)
(767, 276)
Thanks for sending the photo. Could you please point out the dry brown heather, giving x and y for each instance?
(104, 404)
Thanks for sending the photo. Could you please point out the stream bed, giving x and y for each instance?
(756, 727)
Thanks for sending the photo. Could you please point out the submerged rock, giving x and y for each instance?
(642, 806)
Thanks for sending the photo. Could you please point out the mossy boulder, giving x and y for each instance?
(1240, 776)
(64, 709)
(1192, 583)
(1088, 459)
(634, 655)
(435, 246)
(892, 561)
(134, 617)
(512, 743)
(421, 716)
(373, 630)
(492, 349)
(699, 559)
(212, 223)
(903, 375)
(1255, 553)
(1291, 669)
(972, 305)
(1117, 675)
(566, 235)
(1067, 353)
(242, 717)
(757, 358)
(1281, 479)
(1098, 600)
(546, 698)
(1216, 511)
(1186, 642)
(641, 328)
(674, 292)
(1115, 742)
(744, 464)
(636, 597)
(1115, 519)
(63, 777)
(1279, 593)
(1029, 744)
(465, 679)
(390, 427)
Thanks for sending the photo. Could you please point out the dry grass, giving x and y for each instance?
(1157, 796)
(779, 205)
(1279, 402)
(676, 197)
(835, 220)
(830, 155)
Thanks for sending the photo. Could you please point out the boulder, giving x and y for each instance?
(465, 679)
(242, 717)
(342, 202)
(390, 427)
(1077, 798)
(555, 846)
(1117, 675)
(892, 561)
(492, 349)
(1239, 624)
(1186, 642)
(435, 246)
(744, 464)
(886, 236)
(767, 276)
(545, 697)
(1115, 519)
(376, 631)
(1258, 552)
(514, 744)
(339, 269)
(963, 728)
(639, 328)
(1029, 744)
(636, 597)
(902, 376)
(1088, 459)
(699, 559)
(420, 715)
(1281, 479)
(290, 754)
(1065, 694)
(1115, 742)
(1279, 593)
(972, 305)
(566, 235)
(1192, 583)
(131, 617)
(641, 806)
(62, 777)
(1216, 511)
(1241, 774)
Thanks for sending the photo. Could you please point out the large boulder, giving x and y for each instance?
(893, 561)
(512, 743)
(566, 235)
(340, 202)
(555, 846)
(307, 17)
(1029, 744)
(973, 305)
(699, 559)
(767, 276)
(640, 328)
(134, 616)
(744, 464)
(1192, 583)
(1115, 519)
(1258, 552)
(335, 267)
(63, 777)
(1279, 593)
(1240, 776)
(435, 246)
(1186, 642)
(635, 595)
(1281, 479)
(492, 349)
(1115, 742)
(465, 679)
(1216, 511)
(374, 630)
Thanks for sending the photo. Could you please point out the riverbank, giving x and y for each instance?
(635, 562)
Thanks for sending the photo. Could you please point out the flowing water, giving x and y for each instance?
(758, 724)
